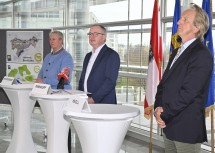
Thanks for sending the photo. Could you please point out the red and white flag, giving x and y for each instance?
(155, 62)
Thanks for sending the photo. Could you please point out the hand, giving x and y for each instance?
(39, 80)
(160, 122)
(90, 100)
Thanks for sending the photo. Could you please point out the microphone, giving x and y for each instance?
(63, 77)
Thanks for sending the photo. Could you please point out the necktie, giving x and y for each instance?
(177, 55)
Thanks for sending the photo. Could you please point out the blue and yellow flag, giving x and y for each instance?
(175, 39)
(208, 41)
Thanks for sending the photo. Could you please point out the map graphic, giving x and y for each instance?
(20, 45)
(24, 46)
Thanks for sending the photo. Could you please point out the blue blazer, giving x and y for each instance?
(182, 93)
(103, 76)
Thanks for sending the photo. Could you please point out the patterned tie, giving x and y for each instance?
(177, 55)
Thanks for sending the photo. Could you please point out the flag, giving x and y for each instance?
(208, 41)
(175, 39)
(155, 60)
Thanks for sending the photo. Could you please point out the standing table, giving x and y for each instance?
(22, 106)
(104, 128)
(52, 106)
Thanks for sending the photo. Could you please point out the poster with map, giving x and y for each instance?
(24, 46)
(24, 54)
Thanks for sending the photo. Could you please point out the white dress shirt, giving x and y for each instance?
(90, 65)
(182, 49)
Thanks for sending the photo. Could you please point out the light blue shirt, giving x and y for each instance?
(53, 64)
(183, 47)
(186, 44)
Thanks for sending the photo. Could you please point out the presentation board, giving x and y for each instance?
(22, 54)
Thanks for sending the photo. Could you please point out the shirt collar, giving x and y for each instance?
(185, 45)
(57, 52)
(98, 49)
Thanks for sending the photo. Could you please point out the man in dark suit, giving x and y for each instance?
(183, 90)
(100, 69)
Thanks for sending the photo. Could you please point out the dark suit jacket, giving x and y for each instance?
(103, 76)
(183, 92)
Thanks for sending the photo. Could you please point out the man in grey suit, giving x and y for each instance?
(183, 90)
(100, 69)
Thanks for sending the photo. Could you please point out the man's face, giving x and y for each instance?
(97, 37)
(186, 29)
(55, 42)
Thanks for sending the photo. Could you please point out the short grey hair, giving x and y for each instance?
(101, 26)
(60, 34)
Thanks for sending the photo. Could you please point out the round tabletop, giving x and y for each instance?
(104, 112)
(57, 95)
(17, 86)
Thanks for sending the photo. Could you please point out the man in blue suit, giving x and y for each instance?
(100, 69)
(182, 92)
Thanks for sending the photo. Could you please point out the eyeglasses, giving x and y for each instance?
(94, 34)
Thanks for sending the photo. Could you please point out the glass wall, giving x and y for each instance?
(128, 25)
(6, 13)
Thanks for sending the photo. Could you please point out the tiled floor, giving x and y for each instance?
(130, 145)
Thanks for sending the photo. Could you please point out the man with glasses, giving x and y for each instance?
(183, 90)
(100, 69)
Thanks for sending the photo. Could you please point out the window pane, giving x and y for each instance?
(135, 9)
(6, 16)
(116, 11)
(148, 6)
(170, 4)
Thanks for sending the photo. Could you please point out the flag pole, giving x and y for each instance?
(212, 109)
(151, 127)
(212, 130)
